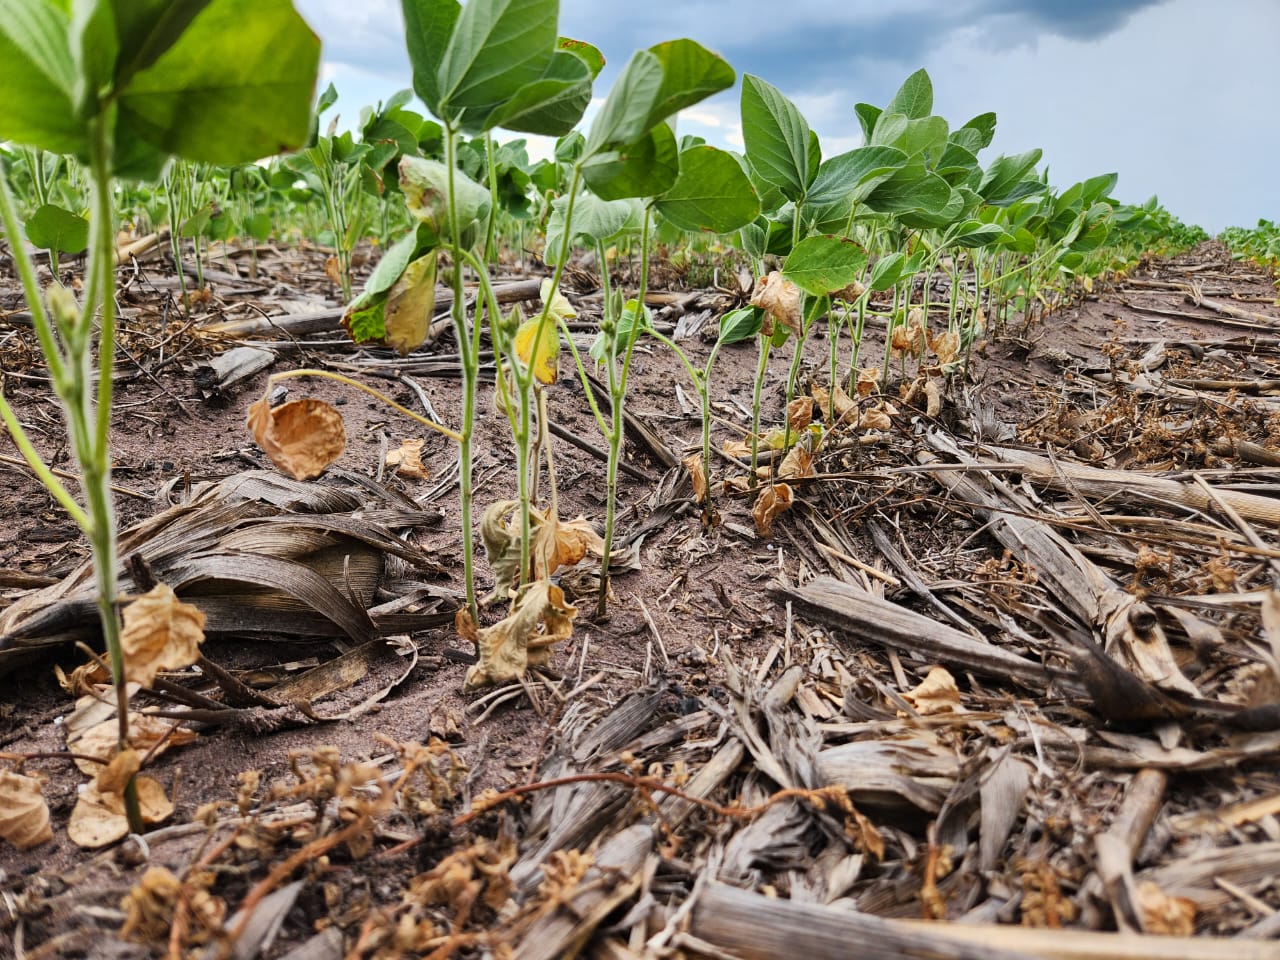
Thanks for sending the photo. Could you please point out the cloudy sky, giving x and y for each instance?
(1177, 96)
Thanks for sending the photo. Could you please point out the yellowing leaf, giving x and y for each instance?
(936, 693)
(780, 298)
(540, 617)
(160, 633)
(407, 460)
(410, 302)
(561, 308)
(773, 500)
(99, 819)
(537, 344)
(24, 815)
(301, 437)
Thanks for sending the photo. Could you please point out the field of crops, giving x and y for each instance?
(653, 550)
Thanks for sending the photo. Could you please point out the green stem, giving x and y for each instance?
(617, 401)
(491, 227)
(467, 360)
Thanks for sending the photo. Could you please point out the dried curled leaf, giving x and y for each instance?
(150, 904)
(773, 500)
(850, 293)
(936, 693)
(160, 632)
(98, 818)
(946, 346)
(115, 775)
(147, 735)
(868, 381)
(698, 476)
(24, 815)
(800, 413)
(780, 299)
(797, 463)
(876, 418)
(933, 398)
(300, 437)
(410, 303)
(407, 459)
(909, 339)
(844, 406)
(540, 617)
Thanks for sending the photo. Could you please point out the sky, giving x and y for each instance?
(1180, 97)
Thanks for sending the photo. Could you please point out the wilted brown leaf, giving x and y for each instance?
(933, 398)
(540, 617)
(946, 346)
(84, 678)
(98, 818)
(558, 543)
(300, 437)
(868, 381)
(160, 632)
(502, 548)
(845, 407)
(796, 464)
(780, 299)
(24, 815)
(936, 693)
(113, 777)
(333, 270)
(909, 339)
(407, 459)
(738, 449)
(698, 476)
(146, 734)
(876, 418)
(850, 293)
(800, 413)
(773, 500)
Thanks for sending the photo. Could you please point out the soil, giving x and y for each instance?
(697, 612)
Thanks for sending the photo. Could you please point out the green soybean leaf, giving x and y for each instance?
(984, 124)
(593, 218)
(741, 324)
(496, 47)
(236, 86)
(37, 79)
(974, 233)
(1008, 178)
(887, 271)
(428, 26)
(646, 168)
(690, 73)
(145, 29)
(54, 228)
(843, 174)
(914, 98)
(588, 53)
(867, 117)
(822, 265)
(712, 193)
(551, 105)
(777, 137)
(624, 118)
(912, 187)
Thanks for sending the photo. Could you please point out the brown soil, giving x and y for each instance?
(698, 610)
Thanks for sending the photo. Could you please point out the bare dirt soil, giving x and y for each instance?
(757, 714)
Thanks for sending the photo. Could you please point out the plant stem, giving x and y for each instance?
(467, 360)
(762, 367)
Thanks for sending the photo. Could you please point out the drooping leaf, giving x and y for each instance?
(425, 184)
(868, 115)
(690, 74)
(495, 48)
(646, 167)
(160, 632)
(540, 617)
(408, 312)
(235, 86)
(712, 193)
(780, 299)
(553, 104)
(624, 117)
(822, 265)
(741, 324)
(776, 135)
(54, 228)
(37, 81)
